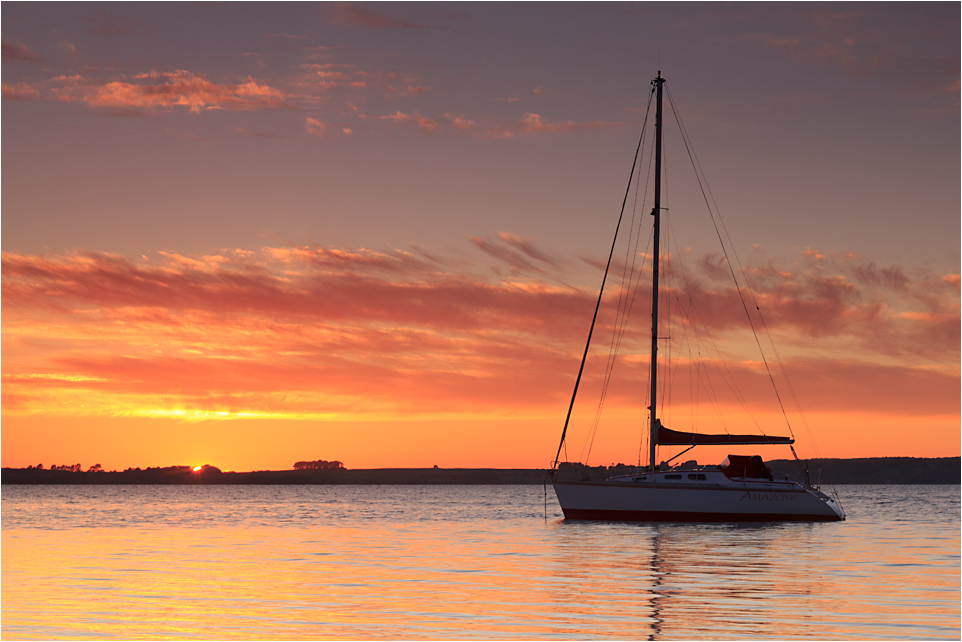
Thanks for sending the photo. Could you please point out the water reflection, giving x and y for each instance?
(765, 580)
(656, 595)
(461, 562)
(686, 580)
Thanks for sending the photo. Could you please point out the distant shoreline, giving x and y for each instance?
(875, 470)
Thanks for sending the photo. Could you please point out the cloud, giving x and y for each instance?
(315, 127)
(520, 254)
(303, 330)
(399, 118)
(347, 77)
(535, 123)
(167, 90)
(855, 43)
(462, 123)
(527, 247)
(842, 299)
(498, 132)
(17, 52)
(21, 91)
(426, 125)
(363, 327)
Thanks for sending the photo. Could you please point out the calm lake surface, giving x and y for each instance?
(461, 562)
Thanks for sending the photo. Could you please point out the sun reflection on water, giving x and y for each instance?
(453, 562)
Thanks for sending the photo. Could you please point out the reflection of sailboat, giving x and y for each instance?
(742, 489)
(656, 594)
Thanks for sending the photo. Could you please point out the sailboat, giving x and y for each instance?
(740, 489)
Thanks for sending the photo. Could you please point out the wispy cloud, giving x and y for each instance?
(315, 127)
(520, 254)
(313, 330)
(417, 120)
(535, 123)
(851, 41)
(17, 52)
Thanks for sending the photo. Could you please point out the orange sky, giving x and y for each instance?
(256, 359)
(253, 234)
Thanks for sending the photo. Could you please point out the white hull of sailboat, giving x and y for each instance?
(750, 501)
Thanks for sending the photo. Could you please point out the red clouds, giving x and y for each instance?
(304, 331)
(20, 91)
(171, 89)
(326, 329)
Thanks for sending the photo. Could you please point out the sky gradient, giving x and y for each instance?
(249, 235)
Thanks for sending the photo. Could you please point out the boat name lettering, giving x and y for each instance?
(769, 497)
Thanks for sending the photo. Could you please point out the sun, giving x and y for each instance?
(197, 468)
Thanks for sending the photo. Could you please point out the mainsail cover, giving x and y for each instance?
(668, 437)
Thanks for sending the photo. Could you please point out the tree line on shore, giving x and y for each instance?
(320, 464)
(73, 468)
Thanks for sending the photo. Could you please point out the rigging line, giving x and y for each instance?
(666, 259)
(768, 333)
(615, 344)
(628, 295)
(637, 282)
(748, 284)
(645, 432)
(703, 377)
(730, 268)
(699, 173)
(791, 390)
(692, 365)
(621, 317)
(601, 292)
(634, 294)
(632, 275)
(669, 364)
(710, 389)
(726, 375)
(730, 380)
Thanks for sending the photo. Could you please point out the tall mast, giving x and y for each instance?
(656, 212)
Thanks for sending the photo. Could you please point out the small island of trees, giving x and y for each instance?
(320, 464)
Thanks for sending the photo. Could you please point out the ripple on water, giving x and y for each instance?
(464, 562)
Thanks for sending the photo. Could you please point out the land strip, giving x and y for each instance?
(877, 470)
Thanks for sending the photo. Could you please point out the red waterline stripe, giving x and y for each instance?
(680, 516)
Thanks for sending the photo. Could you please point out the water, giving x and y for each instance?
(462, 562)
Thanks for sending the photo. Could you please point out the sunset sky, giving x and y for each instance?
(252, 234)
